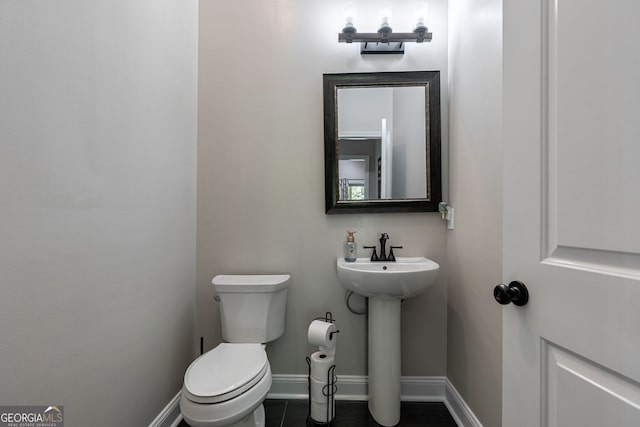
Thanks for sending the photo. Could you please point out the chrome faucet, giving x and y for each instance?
(383, 251)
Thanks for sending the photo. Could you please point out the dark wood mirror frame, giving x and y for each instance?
(431, 81)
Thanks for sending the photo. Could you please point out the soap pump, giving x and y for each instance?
(350, 247)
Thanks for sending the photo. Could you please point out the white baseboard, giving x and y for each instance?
(285, 386)
(170, 416)
(413, 389)
(458, 408)
(422, 389)
(353, 387)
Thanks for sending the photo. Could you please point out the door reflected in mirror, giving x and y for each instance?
(382, 142)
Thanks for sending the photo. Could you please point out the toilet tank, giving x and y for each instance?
(252, 307)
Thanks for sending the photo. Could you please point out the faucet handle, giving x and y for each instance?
(391, 256)
(374, 254)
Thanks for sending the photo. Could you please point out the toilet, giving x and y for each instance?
(227, 385)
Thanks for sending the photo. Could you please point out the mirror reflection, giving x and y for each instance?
(382, 143)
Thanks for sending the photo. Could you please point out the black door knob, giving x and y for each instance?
(516, 293)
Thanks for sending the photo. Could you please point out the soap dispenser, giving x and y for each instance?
(350, 247)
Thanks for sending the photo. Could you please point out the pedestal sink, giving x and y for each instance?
(386, 284)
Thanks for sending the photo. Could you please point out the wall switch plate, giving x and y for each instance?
(449, 218)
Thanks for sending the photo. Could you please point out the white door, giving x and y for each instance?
(572, 212)
(386, 161)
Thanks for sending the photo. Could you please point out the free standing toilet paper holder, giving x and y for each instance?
(329, 390)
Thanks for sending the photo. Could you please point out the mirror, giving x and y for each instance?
(382, 142)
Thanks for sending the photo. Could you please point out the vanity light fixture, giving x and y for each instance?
(384, 41)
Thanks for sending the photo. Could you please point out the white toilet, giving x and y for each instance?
(227, 385)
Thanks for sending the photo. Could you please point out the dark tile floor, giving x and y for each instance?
(293, 413)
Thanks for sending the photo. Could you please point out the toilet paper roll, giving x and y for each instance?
(321, 362)
(319, 411)
(320, 390)
(316, 390)
(323, 334)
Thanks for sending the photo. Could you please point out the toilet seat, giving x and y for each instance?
(225, 372)
(225, 414)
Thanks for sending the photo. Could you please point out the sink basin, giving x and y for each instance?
(404, 278)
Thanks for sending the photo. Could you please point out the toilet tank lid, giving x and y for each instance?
(251, 282)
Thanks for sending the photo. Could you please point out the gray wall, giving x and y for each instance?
(261, 172)
(97, 205)
(474, 248)
(409, 151)
(360, 111)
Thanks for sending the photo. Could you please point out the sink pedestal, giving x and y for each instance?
(384, 360)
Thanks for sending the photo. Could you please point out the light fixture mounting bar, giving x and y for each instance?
(381, 48)
(375, 37)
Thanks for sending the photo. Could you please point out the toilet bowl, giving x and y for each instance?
(227, 385)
